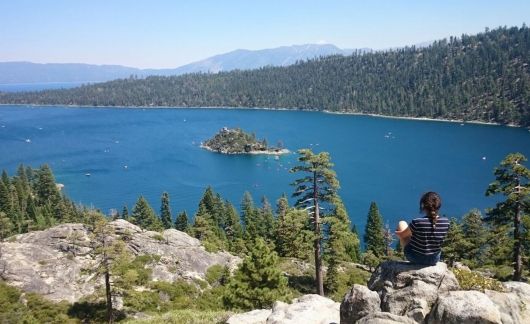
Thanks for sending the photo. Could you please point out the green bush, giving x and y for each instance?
(471, 280)
(36, 309)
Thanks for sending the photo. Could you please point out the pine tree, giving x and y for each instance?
(341, 242)
(294, 236)
(455, 244)
(165, 211)
(109, 254)
(5, 179)
(513, 182)
(125, 213)
(144, 216)
(258, 282)
(374, 235)
(356, 251)
(181, 222)
(5, 199)
(233, 230)
(46, 189)
(316, 188)
(6, 226)
(249, 217)
(476, 235)
(266, 221)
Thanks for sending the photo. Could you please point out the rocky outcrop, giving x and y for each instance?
(257, 316)
(465, 307)
(308, 309)
(358, 303)
(58, 262)
(411, 293)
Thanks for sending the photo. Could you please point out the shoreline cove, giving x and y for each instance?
(324, 111)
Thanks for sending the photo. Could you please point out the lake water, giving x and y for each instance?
(132, 152)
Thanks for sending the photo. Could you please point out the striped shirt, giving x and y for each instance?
(425, 239)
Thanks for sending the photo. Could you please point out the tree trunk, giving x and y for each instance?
(318, 254)
(518, 262)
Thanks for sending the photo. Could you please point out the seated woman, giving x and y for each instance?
(422, 239)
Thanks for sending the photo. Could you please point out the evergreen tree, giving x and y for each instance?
(266, 221)
(46, 189)
(144, 216)
(249, 217)
(5, 179)
(356, 251)
(316, 188)
(476, 236)
(455, 245)
(258, 282)
(125, 213)
(6, 226)
(341, 242)
(513, 182)
(109, 253)
(374, 235)
(181, 222)
(5, 199)
(294, 236)
(282, 205)
(233, 230)
(165, 211)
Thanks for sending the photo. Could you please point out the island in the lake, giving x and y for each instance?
(236, 141)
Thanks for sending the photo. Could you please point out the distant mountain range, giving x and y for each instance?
(27, 72)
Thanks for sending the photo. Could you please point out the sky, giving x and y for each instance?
(168, 34)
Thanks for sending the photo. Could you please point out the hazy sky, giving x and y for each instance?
(158, 33)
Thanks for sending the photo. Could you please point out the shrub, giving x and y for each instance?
(471, 280)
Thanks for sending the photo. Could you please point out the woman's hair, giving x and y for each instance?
(430, 203)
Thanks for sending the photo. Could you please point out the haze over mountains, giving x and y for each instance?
(27, 72)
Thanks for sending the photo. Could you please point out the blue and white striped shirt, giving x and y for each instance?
(427, 239)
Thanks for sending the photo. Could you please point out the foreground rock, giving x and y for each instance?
(400, 292)
(308, 309)
(58, 262)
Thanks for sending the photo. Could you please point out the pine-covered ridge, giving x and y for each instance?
(484, 77)
(237, 141)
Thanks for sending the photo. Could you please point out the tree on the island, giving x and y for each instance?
(316, 188)
(144, 216)
(125, 213)
(165, 211)
(258, 282)
(512, 180)
(181, 222)
(374, 232)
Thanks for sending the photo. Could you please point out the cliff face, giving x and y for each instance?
(59, 262)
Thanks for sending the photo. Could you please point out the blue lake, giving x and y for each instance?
(132, 152)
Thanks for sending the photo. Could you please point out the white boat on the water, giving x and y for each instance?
(87, 174)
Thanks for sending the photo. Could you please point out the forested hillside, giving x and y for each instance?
(484, 77)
